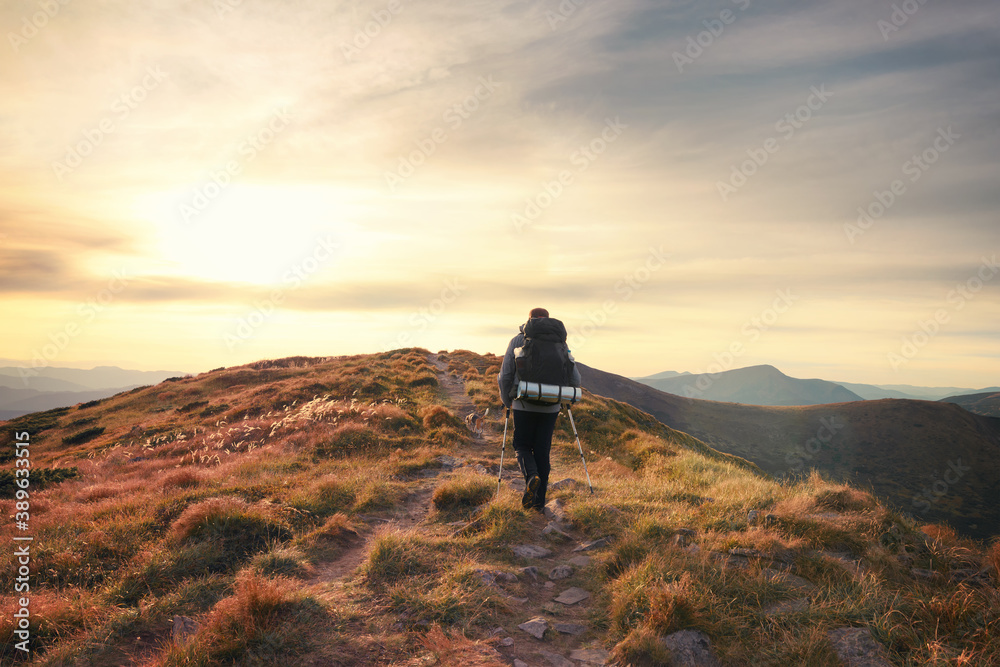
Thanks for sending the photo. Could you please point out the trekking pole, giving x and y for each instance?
(573, 424)
(503, 448)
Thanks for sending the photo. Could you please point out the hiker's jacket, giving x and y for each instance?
(508, 379)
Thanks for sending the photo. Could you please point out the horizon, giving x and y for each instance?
(196, 185)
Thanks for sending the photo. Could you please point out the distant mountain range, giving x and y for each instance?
(766, 385)
(755, 385)
(934, 460)
(25, 390)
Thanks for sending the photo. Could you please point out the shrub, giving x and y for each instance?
(464, 492)
(348, 439)
(237, 527)
(83, 436)
(398, 555)
(436, 416)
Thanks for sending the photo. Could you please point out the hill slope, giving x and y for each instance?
(754, 385)
(986, 404)
(899, 448)
(337, 511)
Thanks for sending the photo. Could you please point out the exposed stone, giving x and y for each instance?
(552, 607)
(580, 561)
(517, 600)
(787, 579)
(746, 553)
(591, 656)
(554, 532)
(856, 648)
(556, 660)
(572, 596)
(481, 469)
(549, 585)
(555, 510)
(596, 544)
(796, 606)
(498, 631)
(449, 461)
(184, 629)
(570, 628)
(690, 648)
(536, 627)
(753, 516)
(520, 663)
(684, 537)
(561, 572)
(490, 577)
(567, 483)
(531, 571)
(507, 641)
(531, 551)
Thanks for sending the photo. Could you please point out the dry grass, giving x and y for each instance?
(456, 650)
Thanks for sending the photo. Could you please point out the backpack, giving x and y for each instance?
(544, 359)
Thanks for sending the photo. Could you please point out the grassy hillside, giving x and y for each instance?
(986, 403)
(931, 459)
(338, 512)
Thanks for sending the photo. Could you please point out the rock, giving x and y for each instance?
(596, 544)
(567, 483)
(580, 561)
(561, 572)
(690, 648)
(554, 532)
(556, 660)
(746, 553)
(531, 551)
(552, 607)
(787, 579)
(572, 596)
(498, 631)
(591, 656)
(555, 510)
(520, 663)
(856, 648)
(770, 519)
(570, 628)
(184, 629)
(490, 577)
(753, 516)
(536, 627)
(507, 641)
(549, 585)
(449, 462)
(517, 600)
(796, 606)
(481, 469)
(531, 571)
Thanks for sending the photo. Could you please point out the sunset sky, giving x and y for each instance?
(188, 184)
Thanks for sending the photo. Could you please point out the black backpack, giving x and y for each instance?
(545, 357)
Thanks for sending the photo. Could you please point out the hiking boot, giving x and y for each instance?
(528, 499)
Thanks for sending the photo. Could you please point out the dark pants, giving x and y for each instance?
(532, 442)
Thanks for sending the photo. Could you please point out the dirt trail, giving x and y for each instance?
(567, 627)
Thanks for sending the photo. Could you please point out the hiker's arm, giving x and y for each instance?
(506, 377)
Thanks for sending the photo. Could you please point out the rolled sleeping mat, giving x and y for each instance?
(548, 393)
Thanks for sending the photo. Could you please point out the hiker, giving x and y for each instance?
(534, 423)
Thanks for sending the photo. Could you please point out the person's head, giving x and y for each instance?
(538, 312)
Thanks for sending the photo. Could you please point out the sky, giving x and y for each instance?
(688, 186)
